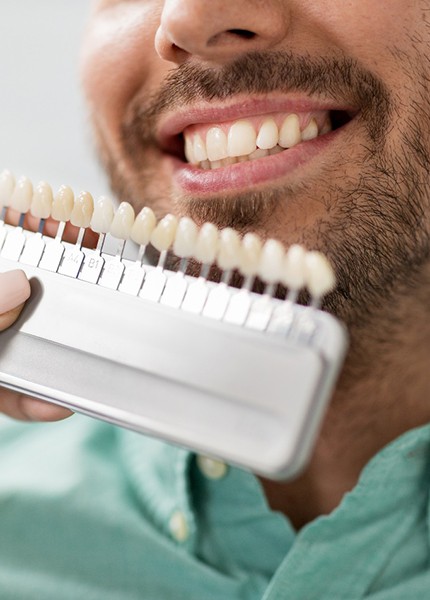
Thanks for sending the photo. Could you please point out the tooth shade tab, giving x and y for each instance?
(7, 185)
(41, 204)
(320, 277)
(164, 233)
(185, 238)
(103, 215)
(250, 253)
(83, 209)
(241, 139)
(22, 195)
(123, 221)
(143, 226)
(216, 144)
(207, 244)
(271, 263)
(229, 249)
(268, 135)
(294, 271)
(63, 204)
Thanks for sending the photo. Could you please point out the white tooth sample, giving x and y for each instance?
(7, 185)
(241, 139)
(185, 238)
(250, 254)
(22, 195)
(41, 204)
(216, 144)
(270, 268)
(143, 226)
(268, 135)
(122, 221)
(294, 273)
(189, 151)
(289, 134)
(320, 277)
(207, 244)
(103, 215)
(199, 149)
(82, 210)
(310, 132)
(229, 249)
(63, 204)
(163, 235)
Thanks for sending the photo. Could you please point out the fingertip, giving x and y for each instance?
(14, 290)
(38, 410)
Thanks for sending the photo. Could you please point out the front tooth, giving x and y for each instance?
(63, 204)
(7, 185)
(294, 276)
(123, 221)
(250, 254)
(41, 205)
(22, 195)
(163, 235)
(143, 226)
(241, 139)
(270, 268)
(289, 134)
(216, 144)
(268, 135)
(310, 132)
(207, 244)
(229, 249)
(320, 277)
(216, 164)
(199, 149)
(185, 238)
(189, 151)
(83, 209)
(103, 215)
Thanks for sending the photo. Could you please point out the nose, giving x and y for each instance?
(219, 30)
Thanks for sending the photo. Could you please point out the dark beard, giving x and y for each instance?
(374, 231)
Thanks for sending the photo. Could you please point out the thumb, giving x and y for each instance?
(14, 291)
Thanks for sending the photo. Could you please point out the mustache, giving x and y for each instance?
(259, 73)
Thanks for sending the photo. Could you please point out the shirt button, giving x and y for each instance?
(178, 526)
(211, 468)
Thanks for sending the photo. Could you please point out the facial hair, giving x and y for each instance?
(375, 229)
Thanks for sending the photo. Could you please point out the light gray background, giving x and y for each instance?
(43, 123)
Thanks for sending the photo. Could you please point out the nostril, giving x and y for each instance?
(243, 33)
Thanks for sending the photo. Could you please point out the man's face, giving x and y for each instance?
(159, 74)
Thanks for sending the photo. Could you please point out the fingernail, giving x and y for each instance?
(14, 290)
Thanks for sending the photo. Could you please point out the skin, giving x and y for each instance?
(363, 200)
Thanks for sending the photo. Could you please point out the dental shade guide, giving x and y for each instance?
(224, 371)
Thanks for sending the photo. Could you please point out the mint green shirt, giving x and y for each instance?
(89, 511)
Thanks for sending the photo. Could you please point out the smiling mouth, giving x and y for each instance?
(210, 146)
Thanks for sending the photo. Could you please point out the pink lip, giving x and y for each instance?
(243, 176)
(175, 123)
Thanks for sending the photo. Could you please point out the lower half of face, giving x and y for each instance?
(351, 181)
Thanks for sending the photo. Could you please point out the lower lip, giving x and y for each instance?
(242, 176)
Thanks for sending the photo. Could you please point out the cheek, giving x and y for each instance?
(367, 30)
(118, 59)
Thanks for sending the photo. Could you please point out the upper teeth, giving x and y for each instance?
(241, 140)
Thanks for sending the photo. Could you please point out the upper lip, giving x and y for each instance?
(173, 124)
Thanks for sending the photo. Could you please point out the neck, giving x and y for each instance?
(383, 392)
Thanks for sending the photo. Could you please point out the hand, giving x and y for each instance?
(14, 291)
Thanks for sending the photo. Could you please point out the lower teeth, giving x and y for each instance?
(226, 162)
